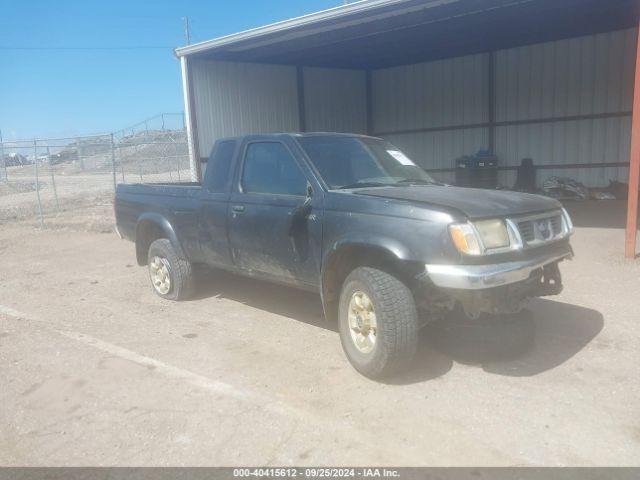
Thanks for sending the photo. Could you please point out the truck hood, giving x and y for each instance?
(473, 202)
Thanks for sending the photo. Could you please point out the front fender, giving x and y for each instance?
(378, 242)
(350, 252)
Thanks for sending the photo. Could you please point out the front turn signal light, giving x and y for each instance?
(465, 239)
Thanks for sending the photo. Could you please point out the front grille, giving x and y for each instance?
(556, 225)
(540, 229)
(526, 230)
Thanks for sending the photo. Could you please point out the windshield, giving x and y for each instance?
(356, 162)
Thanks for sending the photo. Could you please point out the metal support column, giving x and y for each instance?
(491, 99)
(634, 164)
(190, 120)
(302, 111)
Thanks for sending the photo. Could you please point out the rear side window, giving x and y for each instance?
(270, 168)
(219, 165)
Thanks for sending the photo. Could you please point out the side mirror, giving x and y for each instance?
(301, 211)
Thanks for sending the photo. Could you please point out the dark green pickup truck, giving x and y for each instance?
(354, 219)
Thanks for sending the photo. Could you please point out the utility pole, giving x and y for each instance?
(187, 35)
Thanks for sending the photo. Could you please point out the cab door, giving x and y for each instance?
(266, 236)
(214, 203)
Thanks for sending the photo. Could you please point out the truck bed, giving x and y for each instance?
(178, 202)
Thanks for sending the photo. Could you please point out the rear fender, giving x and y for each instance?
(150, 227)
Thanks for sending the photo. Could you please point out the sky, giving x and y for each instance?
(63, 71)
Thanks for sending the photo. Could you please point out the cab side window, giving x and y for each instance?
(270, 168)
(219, 165)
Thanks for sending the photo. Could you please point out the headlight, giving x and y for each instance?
(493, 233)
(476, 238)
(465, 239)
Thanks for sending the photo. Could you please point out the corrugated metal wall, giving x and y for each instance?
(429, 95)
(584, 76)
(578, 76)
(575, 77)
(443, 93)
(437, 149)
(239, 98)
(582, 141)
(590, 75)
(335, 100)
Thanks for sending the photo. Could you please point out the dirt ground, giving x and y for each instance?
(97, 370)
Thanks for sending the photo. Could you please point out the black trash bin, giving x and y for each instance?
(477, 171)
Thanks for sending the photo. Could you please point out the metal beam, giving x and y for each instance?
(447, 31)
(302, 109)
(507, 123)
(491, 100)
(634, 164)
(546, 166)
(293, 27)
(190, 120)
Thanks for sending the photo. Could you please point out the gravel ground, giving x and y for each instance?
(97, 370)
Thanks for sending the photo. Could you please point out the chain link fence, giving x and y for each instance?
(43, 178)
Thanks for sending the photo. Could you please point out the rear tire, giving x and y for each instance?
(171, 276)
(378, 322)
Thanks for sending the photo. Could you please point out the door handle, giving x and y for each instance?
(237, 208)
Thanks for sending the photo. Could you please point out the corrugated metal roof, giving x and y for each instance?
(343, 12)
(383, 33)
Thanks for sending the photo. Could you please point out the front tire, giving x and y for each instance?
(378, 322)
(170, 275)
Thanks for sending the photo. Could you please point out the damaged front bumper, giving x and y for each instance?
(480, 277)
(499, 288)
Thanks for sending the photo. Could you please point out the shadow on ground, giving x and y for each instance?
(540, 338)
(281, 300)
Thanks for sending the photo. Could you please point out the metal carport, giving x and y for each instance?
(548, 79)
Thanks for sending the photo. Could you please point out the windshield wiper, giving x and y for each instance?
(365, 185)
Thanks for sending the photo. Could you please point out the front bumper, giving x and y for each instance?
(480, 277)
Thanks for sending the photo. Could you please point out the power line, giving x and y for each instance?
(187, 37)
